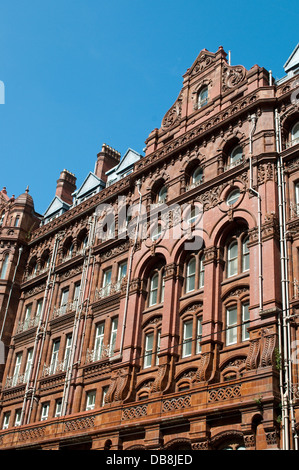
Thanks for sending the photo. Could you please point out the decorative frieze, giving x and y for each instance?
(134, 412)
(224, 393)
(176, 403)
(80, 423)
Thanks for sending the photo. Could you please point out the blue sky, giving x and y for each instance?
(80, 73)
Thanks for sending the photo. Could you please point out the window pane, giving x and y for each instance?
(4, 267)
(245, 321)
(295, 131)
(232, 259)
(113, 335)
(201, 271)
(191, 267)
(231, 334)
(236, 154)
(148, 350)
(154, 289)
(187, 338)
(199, 335)
(245, 258)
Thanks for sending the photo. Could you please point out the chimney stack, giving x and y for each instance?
(107, 158)
(66, 185)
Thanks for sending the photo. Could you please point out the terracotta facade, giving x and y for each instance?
(165, 341)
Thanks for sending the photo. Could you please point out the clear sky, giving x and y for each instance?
(80, 73)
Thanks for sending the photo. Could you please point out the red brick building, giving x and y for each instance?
(174, 326)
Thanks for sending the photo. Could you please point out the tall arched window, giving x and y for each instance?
(190, 277)
(191, 334)
(151, 348)
(236, 156)
(203, 96)
(4, 266)
(154, 285)
(295, 134)
(238, 255)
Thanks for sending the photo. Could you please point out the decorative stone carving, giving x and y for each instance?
(134, 412)
(80, 423)
(173, 115)
(161, 378)
(203, 368)
(224, 393)
(176, 403)
(232, 76)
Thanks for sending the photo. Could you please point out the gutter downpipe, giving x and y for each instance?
(10, 291)
(255, 193)
(288, 400)
(138, 184)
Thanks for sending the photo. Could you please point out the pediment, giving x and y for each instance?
(91, 182)
(203, 60)
(293, 60)
(55, 206)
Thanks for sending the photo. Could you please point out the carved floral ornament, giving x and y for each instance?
(232, 76)
(174, 113)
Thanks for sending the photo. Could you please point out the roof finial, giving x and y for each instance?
(27, 189)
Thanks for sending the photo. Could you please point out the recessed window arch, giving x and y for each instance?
(194, 175)
(203, 97)
(295, 133)
(159, 193)
(232, 154)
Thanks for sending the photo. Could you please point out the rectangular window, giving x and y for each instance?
(99, 342)
(297, 193)
(17, 369)
(58, 408)
(28, 309)
(4, 267)
(231, 323)
(113, 336)
(28, 365)
(122, 270)
(45, 411)
(106, 286)
(198, 335)
(148, 350)
(245, 321)
(187, 338)
(104, 393)
(90, 400)
(6, 419)
(54, 357)
(64, 300)
(39, 308)
(67, 351)
(158, 346)
(77, 291)
(18, 417)
(190, 282)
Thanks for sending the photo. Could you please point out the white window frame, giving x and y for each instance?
(191, 275)
(6, 419)
(198, 335)
(245, 321)
(99, 341)
(232, 261)
(18, 417)
(17, 368)
(203, 97)
(187, 340)
(58, 408)
(90, 400)
(245, 255)
(28, 365)
(45, 411)
(232, 328)
(113, 333)
(154, 289)
(54, 356)
(148, 349)
(4, 266)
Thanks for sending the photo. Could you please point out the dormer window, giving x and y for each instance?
(203, 97)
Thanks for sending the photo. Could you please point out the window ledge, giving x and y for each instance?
(235, 278)
(192, 293)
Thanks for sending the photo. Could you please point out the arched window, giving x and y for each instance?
(156, 232)
(4, 266)
(2, 218)
(234, 157)
(295, 134)
(203, 97)
(159, 194)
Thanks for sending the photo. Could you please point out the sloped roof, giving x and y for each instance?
(293, 60)
(91, 181)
